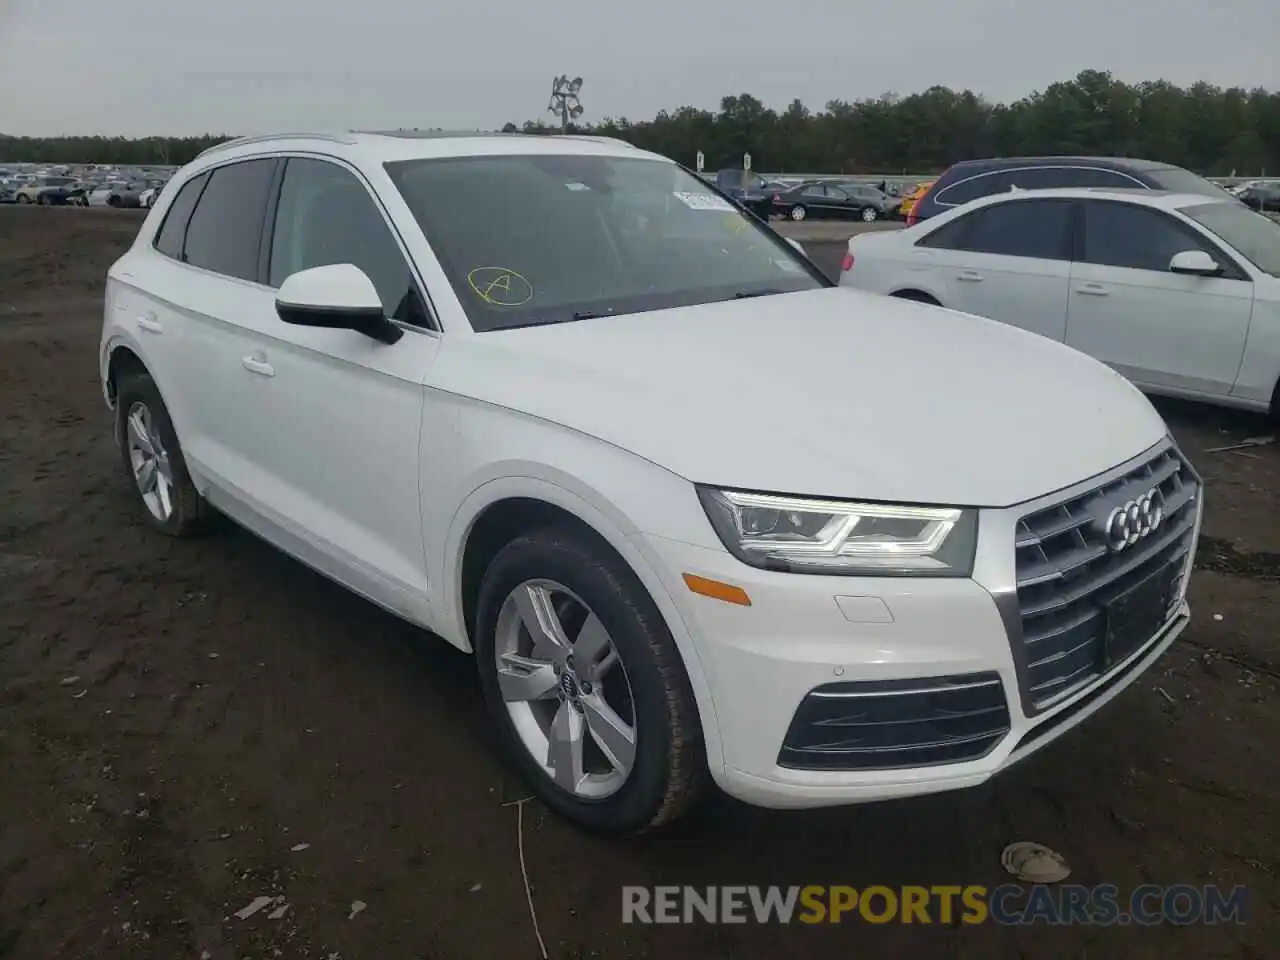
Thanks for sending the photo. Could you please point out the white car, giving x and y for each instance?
(1179, 292)
(699, 514)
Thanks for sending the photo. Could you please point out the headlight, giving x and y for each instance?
(843, 537)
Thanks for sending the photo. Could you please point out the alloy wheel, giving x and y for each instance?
(869, 215)
(797, 213)
(149, 459)
(566, 690)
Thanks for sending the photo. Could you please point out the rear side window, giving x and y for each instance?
(1019, 228)
(1095, 177)
(971, 188)
(173, 231)
(226, 228)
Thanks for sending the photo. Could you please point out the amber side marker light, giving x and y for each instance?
(717, 590)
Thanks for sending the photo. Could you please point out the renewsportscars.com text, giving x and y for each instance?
(1009, 904)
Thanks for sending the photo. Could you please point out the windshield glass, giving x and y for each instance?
(535, 238)
(1254, 236)
(56, 181)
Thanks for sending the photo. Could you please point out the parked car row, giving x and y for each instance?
(47, 188)
(942, 560)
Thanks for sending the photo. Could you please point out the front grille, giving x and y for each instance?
(1068, 574)
(889, 724)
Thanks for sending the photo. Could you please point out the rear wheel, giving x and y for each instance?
(870, 214)
(584, 681)
(153, 461)
(798, 212)
(23, 198)
(113, 201)
(918, 296)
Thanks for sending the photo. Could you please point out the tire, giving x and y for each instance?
(42, 200)
(23, 198)
(869, 215)
(916, 296)
(113, 201)
(646, 683)
(188, 513)
(798, 213)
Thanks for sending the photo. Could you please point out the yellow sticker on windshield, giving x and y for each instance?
(500, 287)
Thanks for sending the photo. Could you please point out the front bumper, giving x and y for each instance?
(806, 633)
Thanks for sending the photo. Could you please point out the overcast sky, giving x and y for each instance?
(138, 67)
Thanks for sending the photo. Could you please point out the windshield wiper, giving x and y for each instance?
(587, 315)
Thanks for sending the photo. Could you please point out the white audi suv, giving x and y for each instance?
(700, 515)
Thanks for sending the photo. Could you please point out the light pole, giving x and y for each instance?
(564, 100)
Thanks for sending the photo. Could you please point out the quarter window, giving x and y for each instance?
(173, 231)
(326, 216)
(226, 228)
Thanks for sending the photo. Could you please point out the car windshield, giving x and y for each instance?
(1254, 236)
(56, 181)
(536, 238)
(1177, 180)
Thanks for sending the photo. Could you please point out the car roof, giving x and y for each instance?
(1125, 163)
(1162, 199)
(377, 147)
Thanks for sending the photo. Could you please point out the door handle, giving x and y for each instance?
(150, 323)
(1092, 290)
(258, 365)
(971, 276)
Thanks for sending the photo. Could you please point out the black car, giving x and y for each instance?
(834, 200)
(971, 179)
(747, 189)
(1263, 197)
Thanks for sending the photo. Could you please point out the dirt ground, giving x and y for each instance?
(178, 719)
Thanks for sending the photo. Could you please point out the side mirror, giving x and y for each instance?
(798, 246)
(339, 296)
(1195, 262)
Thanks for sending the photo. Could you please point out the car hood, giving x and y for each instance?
(830, 392)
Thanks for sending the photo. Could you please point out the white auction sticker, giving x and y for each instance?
(704, 201)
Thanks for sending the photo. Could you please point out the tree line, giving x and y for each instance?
(1208, 129)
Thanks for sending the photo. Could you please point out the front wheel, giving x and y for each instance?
(798, 213)
(23, 198)
(870, 214)
(582, 677)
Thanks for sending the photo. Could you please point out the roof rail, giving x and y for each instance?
(267, 137)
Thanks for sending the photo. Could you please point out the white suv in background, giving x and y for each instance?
(694, 510)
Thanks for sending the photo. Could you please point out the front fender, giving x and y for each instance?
(616, 529)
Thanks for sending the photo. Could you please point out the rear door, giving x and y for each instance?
(1008, 261)
(213, 300)
(1158, 328)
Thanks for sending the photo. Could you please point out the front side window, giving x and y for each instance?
(326, 216)
(536, 238)
(1138, 238)
(226, 227)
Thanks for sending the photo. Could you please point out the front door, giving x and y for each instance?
(348, 409)
(1158, 328)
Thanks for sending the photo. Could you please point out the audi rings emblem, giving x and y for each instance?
(1131, 521)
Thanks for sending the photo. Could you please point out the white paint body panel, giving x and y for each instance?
(1206, 338)
(371, 462)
